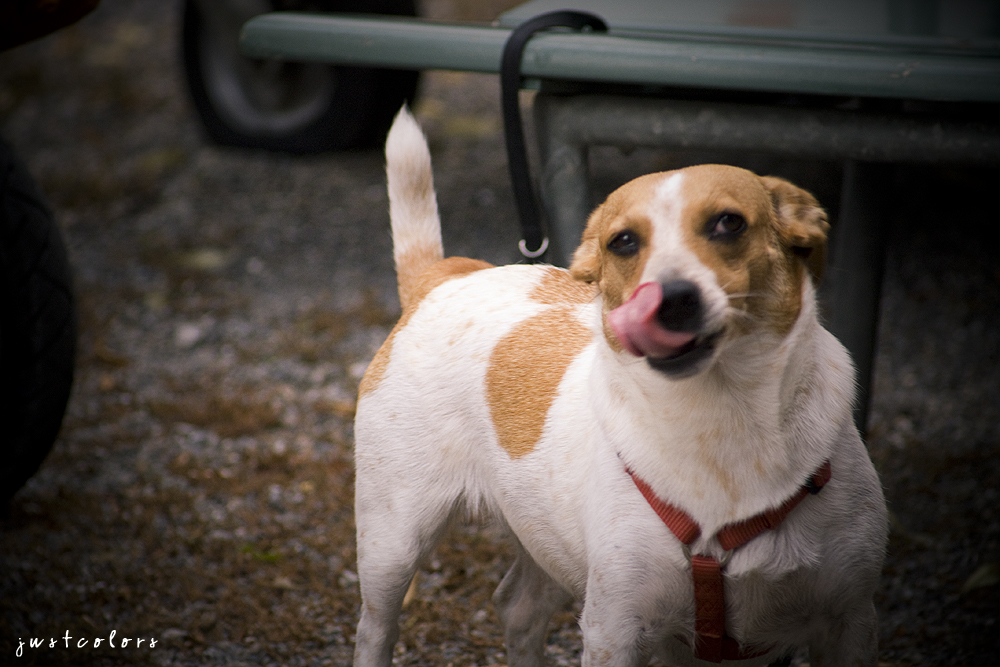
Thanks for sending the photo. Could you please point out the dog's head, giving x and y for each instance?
(687, 259)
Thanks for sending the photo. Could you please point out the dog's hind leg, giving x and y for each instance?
(394, 537)
(525, 600)
(378, 628)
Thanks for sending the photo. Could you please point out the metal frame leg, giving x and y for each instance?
(564, 183)
(856, 266)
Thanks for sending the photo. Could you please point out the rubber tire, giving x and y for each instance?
(37, 326)
(360, 110)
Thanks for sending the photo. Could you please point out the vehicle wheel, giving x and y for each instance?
(285, 106)
(37, 326)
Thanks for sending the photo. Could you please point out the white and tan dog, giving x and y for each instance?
(679, 363)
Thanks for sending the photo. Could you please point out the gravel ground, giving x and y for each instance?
(200, 494)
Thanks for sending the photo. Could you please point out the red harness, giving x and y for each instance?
(712, 643)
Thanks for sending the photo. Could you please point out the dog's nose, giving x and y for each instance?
(681, 308)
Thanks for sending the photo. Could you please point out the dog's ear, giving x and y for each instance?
(802, 223)
(586, 264)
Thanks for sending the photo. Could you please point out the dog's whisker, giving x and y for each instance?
(746, 295)
(745, 316)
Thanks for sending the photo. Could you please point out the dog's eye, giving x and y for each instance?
(727, 226)
(624, 244)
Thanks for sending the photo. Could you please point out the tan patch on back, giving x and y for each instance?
(441, 272)
(558, 287)
(525, 370)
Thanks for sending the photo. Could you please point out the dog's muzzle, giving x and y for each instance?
(666, 324)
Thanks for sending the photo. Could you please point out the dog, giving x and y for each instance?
(676, 372)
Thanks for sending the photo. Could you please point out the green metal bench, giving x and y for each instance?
(868, 83)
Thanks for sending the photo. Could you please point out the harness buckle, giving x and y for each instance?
(726, 557)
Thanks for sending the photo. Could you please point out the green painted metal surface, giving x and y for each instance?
(383, 42)
(961, 26)
(692, 59)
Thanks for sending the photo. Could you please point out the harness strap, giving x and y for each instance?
(737, 534)
(677, 520)
(709, 604)
(711, 642)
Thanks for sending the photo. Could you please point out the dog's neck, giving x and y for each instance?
(742, 435)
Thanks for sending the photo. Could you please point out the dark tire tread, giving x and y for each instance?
(37, 326)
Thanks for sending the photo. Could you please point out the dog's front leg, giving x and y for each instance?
(617, 627)
(612, 642)
(849, 641)
(525, 601)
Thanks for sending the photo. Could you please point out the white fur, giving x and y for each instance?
(413, 208)
(426, 447)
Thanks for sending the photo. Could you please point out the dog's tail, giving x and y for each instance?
(416, 227)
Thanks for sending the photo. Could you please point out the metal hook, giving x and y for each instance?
(532, 254)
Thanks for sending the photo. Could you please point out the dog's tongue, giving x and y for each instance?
(637, 329)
